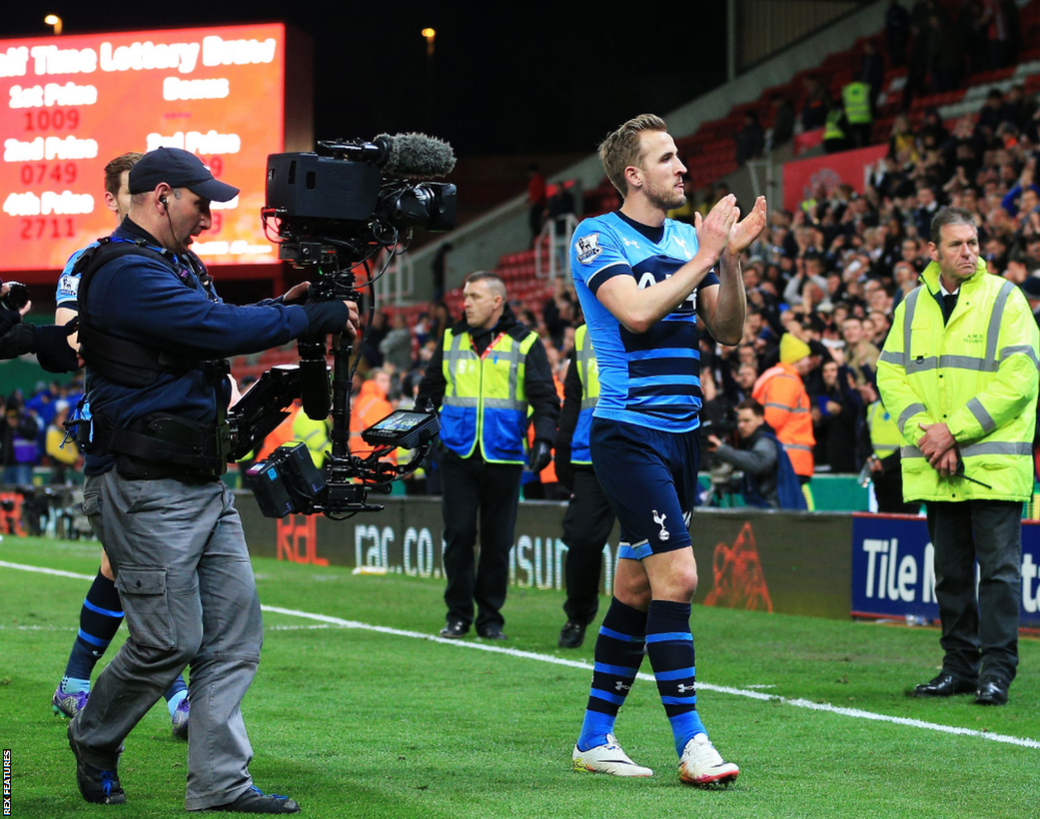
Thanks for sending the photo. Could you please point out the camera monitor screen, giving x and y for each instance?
(400, 421)
(403, 428)
(70, 104)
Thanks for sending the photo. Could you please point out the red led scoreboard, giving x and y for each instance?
(72, 103)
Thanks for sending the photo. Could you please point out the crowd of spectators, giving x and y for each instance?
(832, 272)
(32, 433)
(940, 44)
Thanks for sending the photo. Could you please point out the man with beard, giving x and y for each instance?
(645, 283)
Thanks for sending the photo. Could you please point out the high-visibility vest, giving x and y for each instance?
(885, 437)
(782, 394)
(588, 369)
(315, 434)
(855, 97)
(484, 400)
(832, 127)
(977, 373)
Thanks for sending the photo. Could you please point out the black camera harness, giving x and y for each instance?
(159, 445)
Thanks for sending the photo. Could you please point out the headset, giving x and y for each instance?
(166, 210)
(186, 255)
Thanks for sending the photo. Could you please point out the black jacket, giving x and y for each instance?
(757, 457)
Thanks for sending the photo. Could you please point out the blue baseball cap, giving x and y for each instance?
(178, 169)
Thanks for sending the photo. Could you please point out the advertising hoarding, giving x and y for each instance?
(893, 572)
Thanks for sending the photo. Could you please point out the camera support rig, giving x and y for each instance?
(335, 210)
(344, 494)
(288, 481)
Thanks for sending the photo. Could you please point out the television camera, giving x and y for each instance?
(332, 212)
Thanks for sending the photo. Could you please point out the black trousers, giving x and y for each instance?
(586, 527)
(888, 489)
(982, 632)
(473, 488)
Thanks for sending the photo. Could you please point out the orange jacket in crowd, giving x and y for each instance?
(369, 407)
(781, 392)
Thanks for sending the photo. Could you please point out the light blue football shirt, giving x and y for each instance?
(651, 379)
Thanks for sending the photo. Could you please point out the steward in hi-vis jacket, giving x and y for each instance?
(959, 375)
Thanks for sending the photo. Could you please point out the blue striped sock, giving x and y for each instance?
(99, 621)
(669, 644)
(176, 694)
(619, 652)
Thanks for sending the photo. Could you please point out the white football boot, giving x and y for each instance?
(608, 759)
(701, 764)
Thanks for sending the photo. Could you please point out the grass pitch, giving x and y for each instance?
(355, 721)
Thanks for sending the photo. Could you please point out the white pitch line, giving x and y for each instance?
(41, 570)
(548, 658)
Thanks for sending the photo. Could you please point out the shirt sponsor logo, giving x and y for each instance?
(587, 248)
(648, 279)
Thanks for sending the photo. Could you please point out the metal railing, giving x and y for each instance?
(558, 241)
(398, 282)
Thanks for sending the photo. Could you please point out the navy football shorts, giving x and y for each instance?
(650, 478)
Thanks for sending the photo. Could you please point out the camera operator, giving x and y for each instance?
(48, 342)
(769, 480)
(151, 327)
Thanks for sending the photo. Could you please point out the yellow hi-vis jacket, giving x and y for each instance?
(313, 433)
(977, 374)
(832, 126)
(585, 359)
(484, 400)
(885, 437)
(855, 98)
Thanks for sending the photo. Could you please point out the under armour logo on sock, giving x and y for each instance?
(620, 686)
(684, 688)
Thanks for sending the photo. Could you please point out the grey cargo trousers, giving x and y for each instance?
(187, 589)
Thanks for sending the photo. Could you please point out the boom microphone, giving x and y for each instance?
(414, 156)
(417, 155)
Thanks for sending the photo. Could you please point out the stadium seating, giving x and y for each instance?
(710, 152)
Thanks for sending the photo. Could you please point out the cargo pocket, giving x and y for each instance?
(92, 512)
(91, 504)
(147, 606)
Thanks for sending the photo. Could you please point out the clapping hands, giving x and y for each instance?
(722, 229)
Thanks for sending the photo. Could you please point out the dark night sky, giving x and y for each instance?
(505, 79)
